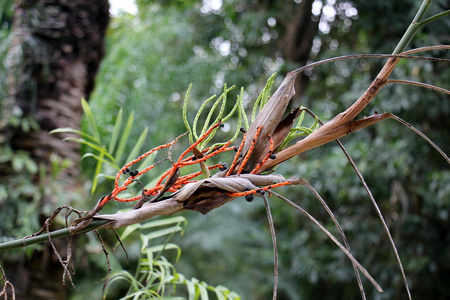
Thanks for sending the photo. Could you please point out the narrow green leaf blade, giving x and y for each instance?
(124, 138)
(115, 133)
(90, 118)
(128, 230)
(71, 130)
(162, 232)
(100, 158)
(98, 169)
(99, 148)
(137, 147)
(165, 222)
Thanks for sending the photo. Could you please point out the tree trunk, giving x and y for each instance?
(55, 53)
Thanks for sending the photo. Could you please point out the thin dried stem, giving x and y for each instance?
(64, 262)
(341, 232)
(421, 84)
(108, 275)
(436, 147)
(275, 249)
(6, 283)
(121, 244)
(333, 238)
(51, 218)
(372, 199)
(383, 221)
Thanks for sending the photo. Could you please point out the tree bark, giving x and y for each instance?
(54, 56)
(56, 50)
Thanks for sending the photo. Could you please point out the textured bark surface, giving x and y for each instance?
(54, 56)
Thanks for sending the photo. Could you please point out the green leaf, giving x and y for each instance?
(71, 130)
(165, 222)
(101, 159)
(152, 224)
(99, 148)
(98, 169)
(125, 136)
(115, 133)
(17, 163)
(90, 118)
(137, 147)
(126, 276)
(31, 166)
(162, 232)
(128, 230)
(101, 175)
(169, 246)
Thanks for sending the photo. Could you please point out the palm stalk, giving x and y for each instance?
(65, 232)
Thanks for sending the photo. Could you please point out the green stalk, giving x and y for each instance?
(416, 24)
(435, 17)
(413, 28)
(46, 236)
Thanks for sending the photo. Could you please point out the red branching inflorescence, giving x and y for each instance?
(174, 182)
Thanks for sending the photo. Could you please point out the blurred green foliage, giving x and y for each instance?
(154, 56)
